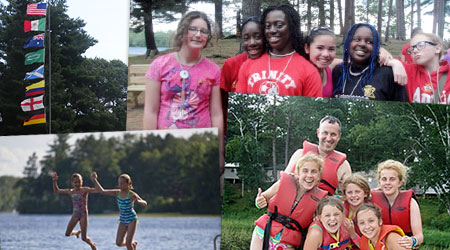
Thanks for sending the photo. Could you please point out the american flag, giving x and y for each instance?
(37, 9)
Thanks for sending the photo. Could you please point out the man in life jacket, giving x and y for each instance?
(336, 168)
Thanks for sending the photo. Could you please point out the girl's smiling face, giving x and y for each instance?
(321, 50)
(309, 175)
(252, 39)
(77, 182)
(361, 46)
(354, 195)
(123, 184)
(369, 224)
(331, 218)
(389, 182)
(197, 34)
(276, 30)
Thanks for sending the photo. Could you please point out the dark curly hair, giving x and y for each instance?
(293, 19)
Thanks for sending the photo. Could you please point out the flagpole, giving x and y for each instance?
(49, 45)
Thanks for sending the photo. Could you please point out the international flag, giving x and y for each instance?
(37, 9)
(35, 57)
(36, 25)
(35, 74)
(33, 103)
(36, 41)
(35, 89)
(35, 119)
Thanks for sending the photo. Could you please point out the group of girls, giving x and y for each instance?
(126, 198)
(302, 216)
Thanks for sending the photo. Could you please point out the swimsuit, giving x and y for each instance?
(126, 209)
(79, 203)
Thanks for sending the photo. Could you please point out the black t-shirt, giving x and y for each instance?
(381, 87)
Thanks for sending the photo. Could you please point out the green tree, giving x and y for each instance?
(86, 94)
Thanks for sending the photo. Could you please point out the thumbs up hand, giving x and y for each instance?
(260, 200)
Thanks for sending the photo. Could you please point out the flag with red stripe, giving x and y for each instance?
(37, 9)
(33, 103)
(35, 119)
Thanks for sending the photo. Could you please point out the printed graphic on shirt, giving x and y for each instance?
(369, 91)
(271, 82)
(425, 94)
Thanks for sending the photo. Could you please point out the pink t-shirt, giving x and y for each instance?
(327, 90)
(194, 111)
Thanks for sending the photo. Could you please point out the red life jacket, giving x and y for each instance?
(329, 242)
(385, 230)
(399, 214)
(331, 163)
(282, 202)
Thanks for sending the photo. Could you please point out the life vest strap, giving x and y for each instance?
(286, 221)
(335, 245)
(328, 184)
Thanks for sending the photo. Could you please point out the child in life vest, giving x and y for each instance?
(125, 200)
(398, 207)
(328, 231)
(356, 192)
(291, 207)
(377, 236)
(79, 196)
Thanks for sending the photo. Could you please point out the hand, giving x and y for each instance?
(348, 224)
(260, 199)
(399, 72)
(94, 176)
(384, 57)
(405, 242)
(55, 176)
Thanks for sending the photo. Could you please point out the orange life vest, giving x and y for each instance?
(331, 163)
(280, 214)
(399, 213)
(385, 230)
(328, 242)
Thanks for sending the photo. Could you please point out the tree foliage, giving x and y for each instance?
(173, 174)
(86, 94)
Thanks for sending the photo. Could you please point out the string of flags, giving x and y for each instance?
(35, 91)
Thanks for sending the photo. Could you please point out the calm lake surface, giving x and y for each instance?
(142, 50)
(47, 232)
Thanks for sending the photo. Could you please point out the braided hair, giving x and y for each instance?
(293, 19)
(373, 60)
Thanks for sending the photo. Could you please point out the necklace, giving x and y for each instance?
(354, 88)
(288, 54)
(273, 85)
(184, 74)
(437, 86)
(357, 73)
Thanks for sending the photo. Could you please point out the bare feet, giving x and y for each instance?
(78, 233)
(134, 244)
(93, 246)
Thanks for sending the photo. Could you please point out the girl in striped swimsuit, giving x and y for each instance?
(125, 199)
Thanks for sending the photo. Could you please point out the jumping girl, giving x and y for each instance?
(283, 70)
(377, 236)
(428, 80)
(182, 88)
(328, 231)
(125, 200)
(291, 206)
(359, 75)
(398, 207)
(79, 195)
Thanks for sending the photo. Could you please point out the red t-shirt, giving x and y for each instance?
(300, 78)
(230, 72)
(408, 57)
(419, 87)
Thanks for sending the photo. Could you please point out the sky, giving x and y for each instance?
(15, 150)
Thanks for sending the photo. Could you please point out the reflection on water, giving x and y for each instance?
(32, 232)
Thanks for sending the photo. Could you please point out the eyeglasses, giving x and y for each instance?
(315, 29)
(193, 30)
(419, 46)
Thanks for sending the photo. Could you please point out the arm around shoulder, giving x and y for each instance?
(392, 241)
(313, 239)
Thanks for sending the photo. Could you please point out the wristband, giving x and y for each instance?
(356, 239)
(414, 241)
(256, 204)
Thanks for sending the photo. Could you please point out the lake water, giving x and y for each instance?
(33, 232)
(142, 50)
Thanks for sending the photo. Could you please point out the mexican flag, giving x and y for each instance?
(36, 25)
(35, 57)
